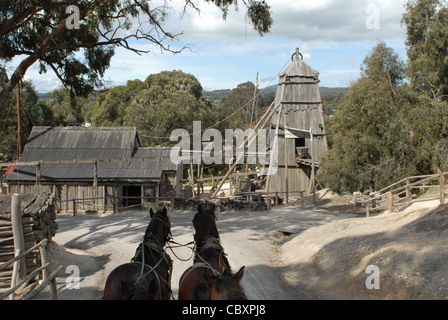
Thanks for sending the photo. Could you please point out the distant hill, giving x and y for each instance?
(44, 95)
(328, 95)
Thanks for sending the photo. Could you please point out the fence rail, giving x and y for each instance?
(15, 284)
(400, 193)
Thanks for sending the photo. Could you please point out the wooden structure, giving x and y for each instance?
(98, 167)
(299, 130)
(37, 223)
(399, 194)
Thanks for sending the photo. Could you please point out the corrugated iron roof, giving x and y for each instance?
(70, 143)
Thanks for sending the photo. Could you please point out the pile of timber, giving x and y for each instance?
(38, 221)
(223, 204)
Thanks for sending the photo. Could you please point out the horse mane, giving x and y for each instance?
(231, 285)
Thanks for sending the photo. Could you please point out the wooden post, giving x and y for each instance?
(408, 190)
(313, 169)
(442, 188)
(19, 124)
(17, 229)
(286, 159)
(43, 259)
(114, 198)
(74, 207)
(95, 181)
(367, 208)
(66, 197)
(38, 175)
(15, 271)
(391, 202)
(274, 148)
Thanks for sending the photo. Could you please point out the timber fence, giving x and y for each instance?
(401, 193)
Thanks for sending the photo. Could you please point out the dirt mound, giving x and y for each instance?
(410, 249)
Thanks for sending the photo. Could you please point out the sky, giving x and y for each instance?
(334, 37)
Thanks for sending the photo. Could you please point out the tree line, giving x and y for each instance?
(393, 121)
(158, 105)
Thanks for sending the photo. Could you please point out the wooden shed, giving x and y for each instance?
(299, 130)
(99, 168)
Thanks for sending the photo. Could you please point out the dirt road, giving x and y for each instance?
(96, 244)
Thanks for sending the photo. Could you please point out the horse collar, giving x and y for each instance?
(211, 242)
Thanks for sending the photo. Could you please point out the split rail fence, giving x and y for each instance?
(400, 193)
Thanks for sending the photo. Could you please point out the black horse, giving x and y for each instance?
(210, 277)
(148, 275)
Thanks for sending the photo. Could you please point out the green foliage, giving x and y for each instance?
(81, 53)
(384, 130)
(370, 147)
(33, 113)
(258, 12)
(111, 106)
(68, 111)
(235, 110)
(383, 65)
(427, 41)
(167, 101)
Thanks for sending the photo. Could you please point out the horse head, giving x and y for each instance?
(204, 223)
(145, 289)
(225, 286)
(159, 228)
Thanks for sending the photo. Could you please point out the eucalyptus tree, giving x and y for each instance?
(78, 41)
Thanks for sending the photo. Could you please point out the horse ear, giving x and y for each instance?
(206, 277)
(239, 275)
(151, 213)
(164, 211)
(200, 209)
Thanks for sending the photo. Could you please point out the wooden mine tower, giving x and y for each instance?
(297, 125)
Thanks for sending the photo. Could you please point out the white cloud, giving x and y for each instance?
(335, 20)
(226, 53)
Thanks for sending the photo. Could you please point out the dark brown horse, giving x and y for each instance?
(210, 275)
(148, 275)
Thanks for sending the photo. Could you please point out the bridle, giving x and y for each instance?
(153, 244)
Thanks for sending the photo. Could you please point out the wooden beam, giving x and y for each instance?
(77, 161)
(261, 123)
(19, 239)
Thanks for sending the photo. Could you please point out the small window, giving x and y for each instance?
(300, 142)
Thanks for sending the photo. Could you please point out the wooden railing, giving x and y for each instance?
(400, 193)
(16, 283)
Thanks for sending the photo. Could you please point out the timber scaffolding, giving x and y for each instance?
(399, 194)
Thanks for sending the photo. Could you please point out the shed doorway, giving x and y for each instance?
(132, 195)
